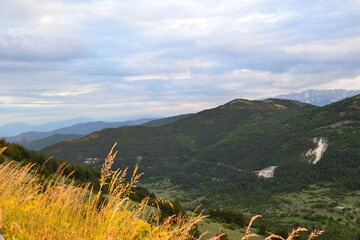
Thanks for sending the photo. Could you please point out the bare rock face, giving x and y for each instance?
(267, 172)
(316, 154)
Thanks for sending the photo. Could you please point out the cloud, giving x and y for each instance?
(23, 45)
(157, 77)
(166, 57)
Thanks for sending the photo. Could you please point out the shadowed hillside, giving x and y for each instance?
(240, 147)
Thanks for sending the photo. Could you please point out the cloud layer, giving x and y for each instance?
(108, 58)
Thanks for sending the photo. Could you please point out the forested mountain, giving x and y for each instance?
(164, 121)
(242, 148)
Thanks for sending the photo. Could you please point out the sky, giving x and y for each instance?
(111, 59)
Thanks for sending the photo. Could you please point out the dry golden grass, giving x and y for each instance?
(33, 207)
(292, 235)
(59, 209)
(295, 233)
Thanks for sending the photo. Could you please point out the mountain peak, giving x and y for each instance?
(271, 103)
(320, 97)
(246, 104)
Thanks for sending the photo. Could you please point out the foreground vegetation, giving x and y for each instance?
(34, 206)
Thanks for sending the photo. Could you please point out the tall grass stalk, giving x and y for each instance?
(292, 235)
(56, 208)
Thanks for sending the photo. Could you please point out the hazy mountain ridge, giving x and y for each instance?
(41, 143)
(320, 97)
(35, 140)
(16, 128)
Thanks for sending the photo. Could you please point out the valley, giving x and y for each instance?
(179, 120)
(259, 157)
(320, 206)
(294, 163)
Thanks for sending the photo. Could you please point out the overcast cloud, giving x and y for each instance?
(107, 58)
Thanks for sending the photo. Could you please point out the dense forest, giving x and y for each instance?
(220, 150)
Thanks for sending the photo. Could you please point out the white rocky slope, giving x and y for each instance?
(316, 154)
(267, 172)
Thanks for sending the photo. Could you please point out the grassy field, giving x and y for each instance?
(290, 206)
(316, 205)
(165, 189)
(213, 228)
(319, 206)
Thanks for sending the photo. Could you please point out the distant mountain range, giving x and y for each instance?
(320, 97)
(13, 129)
(38, 140)
(36, 136)
(38, 144)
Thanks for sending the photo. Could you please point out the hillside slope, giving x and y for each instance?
(164, 121)
(240, 147)
(170, 142)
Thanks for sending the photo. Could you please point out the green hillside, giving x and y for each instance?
(164, 121)
(221, 150)
(171, 144)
